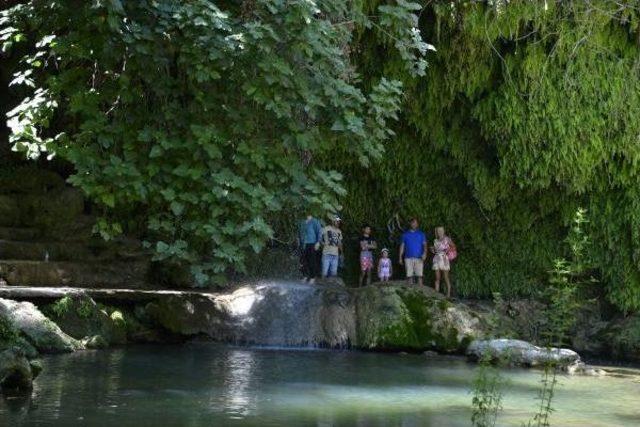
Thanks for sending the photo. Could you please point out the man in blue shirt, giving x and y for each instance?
(413, 251)
(309, 236)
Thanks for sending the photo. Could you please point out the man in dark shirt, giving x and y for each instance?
(367, 245)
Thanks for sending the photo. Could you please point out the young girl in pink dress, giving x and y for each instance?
(385, 270)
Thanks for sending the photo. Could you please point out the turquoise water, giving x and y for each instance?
(204, 384)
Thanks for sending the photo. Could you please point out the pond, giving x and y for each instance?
(206, 384)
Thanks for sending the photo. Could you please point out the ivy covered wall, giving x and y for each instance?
(529, 110)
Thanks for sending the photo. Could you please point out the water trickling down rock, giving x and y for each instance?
(290, 313)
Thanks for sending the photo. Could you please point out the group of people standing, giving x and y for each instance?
(322, 253)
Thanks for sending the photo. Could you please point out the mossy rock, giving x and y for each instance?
(79, 316)
(82, 318)
(11, 337)
(36, 328)
(118, 326)
(399, 317)
(36, 367)
(185, 315)
(134, 325)
(95, 342)
(20, 342)
(16, 375)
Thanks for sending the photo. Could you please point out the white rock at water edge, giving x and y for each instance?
(518, 352)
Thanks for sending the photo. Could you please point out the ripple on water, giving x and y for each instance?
(207, 384)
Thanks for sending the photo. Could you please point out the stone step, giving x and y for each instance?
(93, 250)
(113, 274)
(19, 233)
(53, 251)
(29, 293)
(44, 210)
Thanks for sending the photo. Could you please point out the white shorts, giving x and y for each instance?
(414, 267)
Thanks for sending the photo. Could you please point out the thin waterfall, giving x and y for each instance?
(288, 313)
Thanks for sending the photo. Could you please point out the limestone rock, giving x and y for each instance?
(41, 332)
(36, 367)
(378, 317)
(80, 317)
(329, 281)
(520, 353)
(16, 374)
(95, 342)
(112, 274)
(580, 368)
(265, 313)
(185, 314)
(399, 316)
(19, 341)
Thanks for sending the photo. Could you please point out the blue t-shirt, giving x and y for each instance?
(310, 232)
(413, 243)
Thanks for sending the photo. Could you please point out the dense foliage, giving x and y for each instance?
(201, 120)
(528, 110)
(213, 124)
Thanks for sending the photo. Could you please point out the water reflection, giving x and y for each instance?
(207, 385)
(239, 393)
(18, 404)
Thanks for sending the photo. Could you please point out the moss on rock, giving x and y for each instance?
(79, 316)
(43, 334)
(400, 317)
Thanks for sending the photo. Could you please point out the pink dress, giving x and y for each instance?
(440, 259)
(384, 269)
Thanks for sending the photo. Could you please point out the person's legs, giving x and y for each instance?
(418, 270)
(326, 265)
(366, 264)
(306, 261)
(408, 265)
(437, 284)
(334, 260)
(316, 258)
(369, 266)
(447, 282)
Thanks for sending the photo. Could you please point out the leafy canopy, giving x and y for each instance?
(202, 120)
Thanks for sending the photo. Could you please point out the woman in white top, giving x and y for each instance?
(441, 264)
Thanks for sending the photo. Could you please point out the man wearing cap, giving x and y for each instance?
(413, 251)
(310, 234)
(331, 248)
